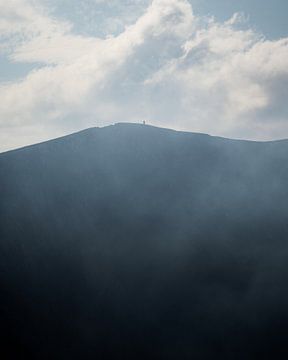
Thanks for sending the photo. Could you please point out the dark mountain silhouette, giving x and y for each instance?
(135, 242)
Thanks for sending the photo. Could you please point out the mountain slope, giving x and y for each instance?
(132, 241)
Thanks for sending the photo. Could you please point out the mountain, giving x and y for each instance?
(136, 242)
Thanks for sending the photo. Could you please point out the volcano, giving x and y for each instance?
(137, 242)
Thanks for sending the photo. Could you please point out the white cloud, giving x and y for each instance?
(170, 67)
(21, 20)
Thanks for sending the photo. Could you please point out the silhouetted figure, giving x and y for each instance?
(144, 122)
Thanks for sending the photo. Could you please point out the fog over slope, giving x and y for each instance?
(135, 242)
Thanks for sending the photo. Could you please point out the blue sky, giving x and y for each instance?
(269, 17)
(219, 67)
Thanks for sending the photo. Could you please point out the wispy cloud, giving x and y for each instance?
(169, 66)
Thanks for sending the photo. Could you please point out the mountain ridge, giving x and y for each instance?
(130, 126)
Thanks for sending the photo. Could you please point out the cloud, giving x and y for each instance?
(170, 66)
(21, 20)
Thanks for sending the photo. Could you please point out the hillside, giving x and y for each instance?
(135, 242)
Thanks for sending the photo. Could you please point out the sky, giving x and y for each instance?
(213, 66)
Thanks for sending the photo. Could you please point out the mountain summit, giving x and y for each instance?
(135, 242)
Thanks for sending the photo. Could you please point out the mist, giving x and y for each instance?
(132, 241)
